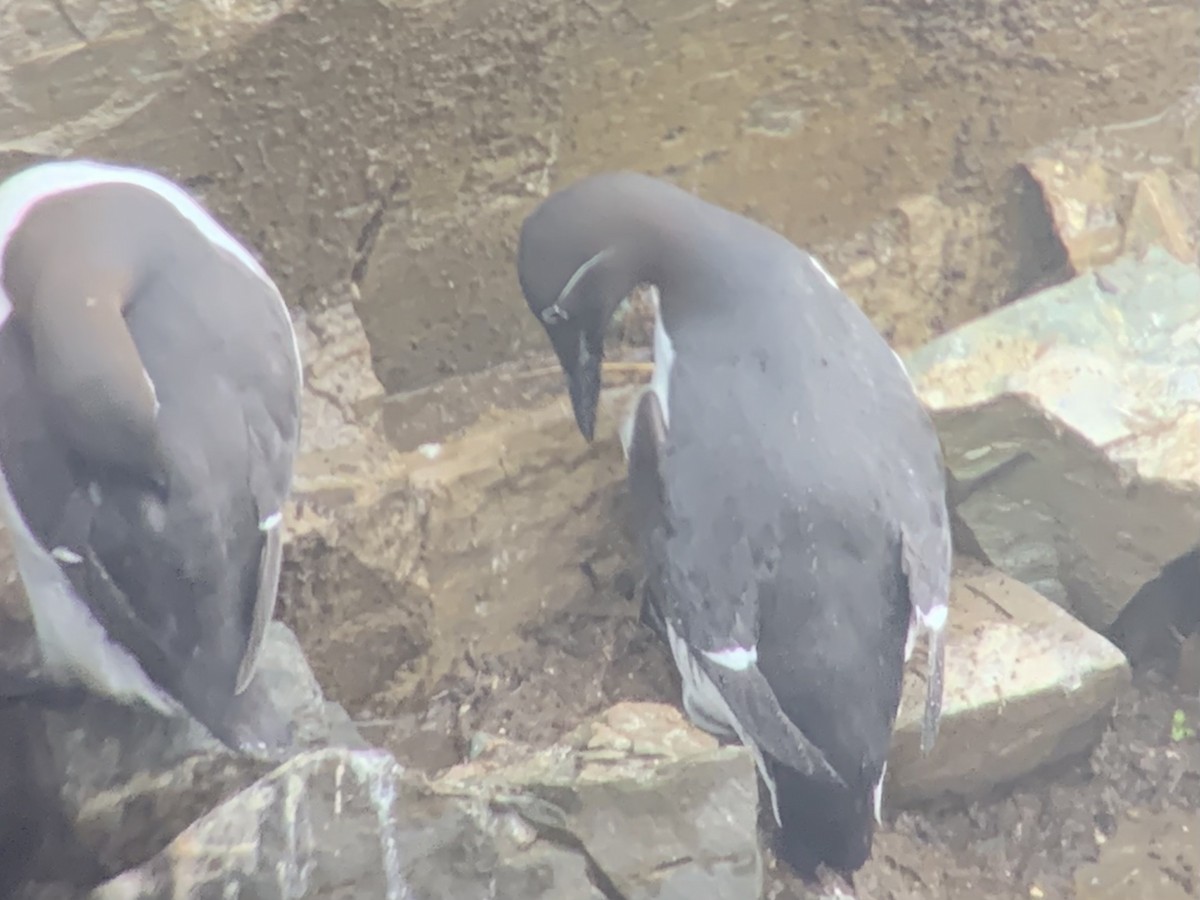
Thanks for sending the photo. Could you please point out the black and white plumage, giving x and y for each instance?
(150, 389)
(787, 488)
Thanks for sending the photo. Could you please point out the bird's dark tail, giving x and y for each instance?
(822, 823)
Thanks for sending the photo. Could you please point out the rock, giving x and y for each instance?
(635, 804)
(1069, 422)
(1150, 857)
(347, 824)
(925, 266)
(341, 392)
(1082, 207)
(658, 806)
(110, 785)
(493, 521)
(343, 161)
(633, 322)
(105, 61)
(1027, 685)
(26, 820)
(1156, 218)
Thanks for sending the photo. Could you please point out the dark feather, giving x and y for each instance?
(175, 579)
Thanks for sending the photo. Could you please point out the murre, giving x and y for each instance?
(150, 389)
(787, 488)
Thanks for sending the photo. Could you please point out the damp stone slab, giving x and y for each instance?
(1027, 685)
(1070, 422)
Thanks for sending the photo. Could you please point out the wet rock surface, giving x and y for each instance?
(398, 146)
(1118, 190)
(333, 824)
(1069, 424)
(636, 804)
(483, 521)
(659, 808)
(106, 785)
(1027, 685)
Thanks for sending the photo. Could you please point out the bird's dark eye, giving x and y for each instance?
(554, 315)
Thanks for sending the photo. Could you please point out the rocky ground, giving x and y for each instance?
(1116, 821)
(1045, 839)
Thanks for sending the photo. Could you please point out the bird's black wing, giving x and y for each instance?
(757, 717)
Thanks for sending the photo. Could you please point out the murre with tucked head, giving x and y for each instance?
(786, 484)
(149, 415)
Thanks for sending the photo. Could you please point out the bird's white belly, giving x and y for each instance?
(702, 701)
(72, 642)
(660, 380)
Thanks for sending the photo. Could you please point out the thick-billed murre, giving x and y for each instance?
(787, 488)
(150, 389)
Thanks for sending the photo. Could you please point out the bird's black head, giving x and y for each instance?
(578, 259)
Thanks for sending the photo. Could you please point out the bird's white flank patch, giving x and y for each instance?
(824, 274)
(910, 639)
(736, 659)
(878, 795)
(153, 391)
(66, 555)
(585, 354)
(95, 494)
(629, 422)
(271, 521)
(935, 619)
(704, 705)
(664, 359)
(430, 451)
(660, 380)
(74, 645)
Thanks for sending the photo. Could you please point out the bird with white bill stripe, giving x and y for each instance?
(150, 390)
(787, 489)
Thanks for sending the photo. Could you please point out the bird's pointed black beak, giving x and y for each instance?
(581, 358)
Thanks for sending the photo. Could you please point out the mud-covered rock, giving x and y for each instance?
(1027, 685)
(636, 804)
(1157, 217)
(1070, 427)
(398, 145)
(1082, 206)
(400, 561)
(104, 61)
(342, 396)
(347, 824)
(658, 807)
(106, 786)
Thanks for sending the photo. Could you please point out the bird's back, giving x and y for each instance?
(791, 435)
(172, 573)
(221, 354)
